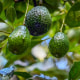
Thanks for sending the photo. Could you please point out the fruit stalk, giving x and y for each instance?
(26, 12)
(40, 2)
(62, 26)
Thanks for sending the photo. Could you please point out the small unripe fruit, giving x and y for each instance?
(19, 40)
(59, 45)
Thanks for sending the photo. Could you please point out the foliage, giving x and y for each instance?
(74, 72)
(65, 16)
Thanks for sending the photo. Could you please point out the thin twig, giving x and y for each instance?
(26, 12)
(62, 26)
(40, 39)
(40, 2)
(69, 58)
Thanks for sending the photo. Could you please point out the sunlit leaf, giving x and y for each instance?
(67, 6)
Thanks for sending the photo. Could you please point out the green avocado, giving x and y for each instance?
(38, 20)
(19, 40)
(59, 45)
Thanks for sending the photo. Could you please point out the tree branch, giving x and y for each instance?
(40, 2)
(26, 12)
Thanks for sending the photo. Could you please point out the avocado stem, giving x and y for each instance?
(40, 2)
(40, 39)
(27, 4)
(62, 26)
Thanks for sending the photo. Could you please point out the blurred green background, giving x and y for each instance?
(37, 60)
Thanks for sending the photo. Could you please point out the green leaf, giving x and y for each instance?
(35, 42)
(11, 57)
(67, 6)
(3, 37)
(19, 14)
(2, 15)
(11, 14)
(23, 74)
(1, 20)
(51, 5)
(7, 3)
(72, 1)
(1, 7)
(73, 16)
(20, 7)
(75, 71)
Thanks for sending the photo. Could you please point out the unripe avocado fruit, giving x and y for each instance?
(38, 20)
(59, 45)
(19, 40)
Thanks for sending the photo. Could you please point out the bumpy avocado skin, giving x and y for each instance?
(59, 45)
(38, 20)
(19, 40)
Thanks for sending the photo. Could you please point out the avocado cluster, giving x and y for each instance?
(37, 22)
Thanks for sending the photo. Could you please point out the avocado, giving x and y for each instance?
(19, 40)
(59, 45)
(38, 20)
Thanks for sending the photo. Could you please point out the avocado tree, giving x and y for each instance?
(51, 25)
